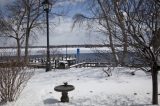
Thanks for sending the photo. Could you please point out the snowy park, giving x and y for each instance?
(79, 52)
(93, 87)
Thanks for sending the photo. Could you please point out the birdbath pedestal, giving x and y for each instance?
(64, 89)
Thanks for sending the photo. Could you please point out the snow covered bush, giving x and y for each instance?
(14, 77)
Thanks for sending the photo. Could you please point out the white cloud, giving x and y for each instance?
(63, 34)
(66, 2)
(4, 2)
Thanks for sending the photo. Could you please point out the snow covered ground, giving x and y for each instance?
(92, 88)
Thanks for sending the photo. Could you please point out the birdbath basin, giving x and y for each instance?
(64, 89)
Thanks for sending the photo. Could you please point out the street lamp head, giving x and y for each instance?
(46, 5)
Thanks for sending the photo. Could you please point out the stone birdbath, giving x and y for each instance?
(64, 89)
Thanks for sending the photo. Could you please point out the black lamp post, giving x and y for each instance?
(47, 6)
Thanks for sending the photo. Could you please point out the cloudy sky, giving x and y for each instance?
(3, 2)
(62, 33)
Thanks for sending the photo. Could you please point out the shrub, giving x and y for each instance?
(14, 77)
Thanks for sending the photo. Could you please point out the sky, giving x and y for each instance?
(65, 35)
(62, 33)
(3, 2)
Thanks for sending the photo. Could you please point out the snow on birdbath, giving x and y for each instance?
(64, 89)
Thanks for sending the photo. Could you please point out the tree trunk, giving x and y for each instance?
(27, 33)
(155, 85)
(26, 50)
(110, 33)
(18, 49)
(120, 19)
(113, 50)
(125, 49)
(27, 45)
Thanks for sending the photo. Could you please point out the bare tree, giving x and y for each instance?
(22, 18)
(12, 26)
(34, 14)
(143, 27)
(19, 19)
(138, 24)
(107, 17)
(117, 7)
(34, 11)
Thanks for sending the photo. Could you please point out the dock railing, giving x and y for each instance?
(90, 64)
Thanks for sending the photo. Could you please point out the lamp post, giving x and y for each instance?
(46, 6)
